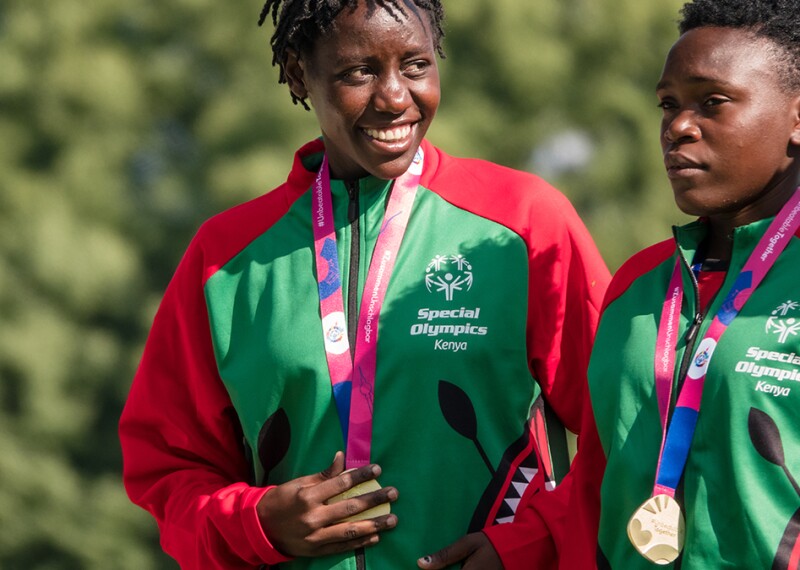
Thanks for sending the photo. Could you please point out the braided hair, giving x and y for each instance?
(299, 23)
(776, 20)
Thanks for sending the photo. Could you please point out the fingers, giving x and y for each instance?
(340, 498)
(343, 481)
(456, 552)
(448, 555)
(348, 536)
(301, 519)
(335, 468)
(347, 507)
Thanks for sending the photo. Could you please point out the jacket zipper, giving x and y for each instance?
(355, 259)
(691, 340)
(361, 559)
(694, 328)
(353, 212)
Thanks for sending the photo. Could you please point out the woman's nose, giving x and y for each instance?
(683, 125)
(392, 94)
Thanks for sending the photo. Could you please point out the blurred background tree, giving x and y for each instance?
(123, 126)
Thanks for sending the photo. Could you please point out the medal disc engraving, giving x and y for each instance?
(357, 491)
(657, 529)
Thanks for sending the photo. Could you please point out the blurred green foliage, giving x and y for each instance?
(123, 126)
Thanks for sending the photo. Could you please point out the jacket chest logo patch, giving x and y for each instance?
(448, 274)
(449, 277)
(783, 321)
(775, 369)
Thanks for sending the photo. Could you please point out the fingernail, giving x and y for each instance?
(391, 521)
(392, 494)
(425, 560)
(376, 470)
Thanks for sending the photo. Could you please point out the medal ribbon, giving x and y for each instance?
(677, 439)
(353, 376)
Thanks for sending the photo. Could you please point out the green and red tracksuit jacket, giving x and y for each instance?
(233, 392)
(742, 508)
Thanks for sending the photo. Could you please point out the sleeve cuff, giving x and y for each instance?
(253, 529)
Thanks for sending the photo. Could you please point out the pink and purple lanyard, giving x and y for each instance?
(677, 439)
(354, 395)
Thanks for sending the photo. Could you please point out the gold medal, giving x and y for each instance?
(357, 491)
(657, 529)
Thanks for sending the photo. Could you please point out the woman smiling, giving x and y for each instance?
(388, 301)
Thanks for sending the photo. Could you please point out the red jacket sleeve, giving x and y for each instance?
(183, 458)
(559, 529)
(568, 281)
(575, 531)
(576, 536)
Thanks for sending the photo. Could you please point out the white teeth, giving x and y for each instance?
(389, 135)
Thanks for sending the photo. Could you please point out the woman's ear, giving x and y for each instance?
(795, 138)
(294, 70)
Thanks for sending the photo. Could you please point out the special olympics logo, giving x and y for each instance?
(781, 324)
(701, 358)
(416, 163)
(448, 273)
(335, 333)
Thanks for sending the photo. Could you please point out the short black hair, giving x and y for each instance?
(776, 20)
(299, 23)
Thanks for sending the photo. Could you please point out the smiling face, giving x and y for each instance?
(373, 83)
(730, 130)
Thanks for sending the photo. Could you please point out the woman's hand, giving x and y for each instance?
(298, 522)
(475, 549)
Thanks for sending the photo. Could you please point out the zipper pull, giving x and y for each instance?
(693, 328)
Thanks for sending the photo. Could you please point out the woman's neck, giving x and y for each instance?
(722, 226)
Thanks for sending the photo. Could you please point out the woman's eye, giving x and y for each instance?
(416, 67)
(357, 74)
(666, 104)
(714, 101)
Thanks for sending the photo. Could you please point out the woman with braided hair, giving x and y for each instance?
(390, 307)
